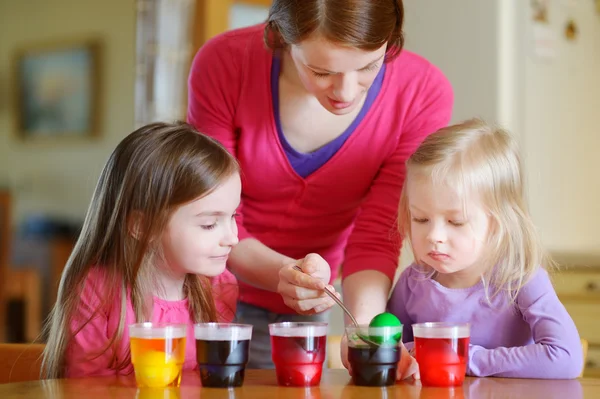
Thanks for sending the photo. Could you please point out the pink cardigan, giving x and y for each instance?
(346, 210)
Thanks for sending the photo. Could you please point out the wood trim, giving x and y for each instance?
(577, 261)
(5, 239)
(582, 298)
(264, 3)
(5, 222)
(566, 270)
(25, 285)
(211, 18)
(20, 362)
(60, 251)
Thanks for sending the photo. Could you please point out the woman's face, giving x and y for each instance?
(338, 76)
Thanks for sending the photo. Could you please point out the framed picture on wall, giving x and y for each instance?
(57, 89)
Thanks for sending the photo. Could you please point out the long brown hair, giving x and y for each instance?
(362, 24)
(152, 172)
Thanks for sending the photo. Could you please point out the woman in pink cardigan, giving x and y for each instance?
(321, 107)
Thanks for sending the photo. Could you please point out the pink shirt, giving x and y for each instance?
(346, 210)
(95, 335)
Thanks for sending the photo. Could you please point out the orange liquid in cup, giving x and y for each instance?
(442, 361)
(157, 361)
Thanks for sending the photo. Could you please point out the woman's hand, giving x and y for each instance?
(303, 291)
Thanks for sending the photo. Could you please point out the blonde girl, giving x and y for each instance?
(159, 227)
(478, 258)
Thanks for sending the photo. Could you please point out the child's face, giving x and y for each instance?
(200, 234)
(444, 236)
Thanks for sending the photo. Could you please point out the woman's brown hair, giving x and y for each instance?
(363, 24)
(152, 172)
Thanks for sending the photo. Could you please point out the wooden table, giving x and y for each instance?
(335, 384)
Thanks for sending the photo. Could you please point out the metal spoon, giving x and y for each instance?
(345, 309)
(336, 299)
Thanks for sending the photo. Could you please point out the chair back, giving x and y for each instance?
(334, 360)
(20, 362)
(5, 223)
(584, 348)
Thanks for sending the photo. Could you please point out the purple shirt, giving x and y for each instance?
(306, 163)
(534, 339)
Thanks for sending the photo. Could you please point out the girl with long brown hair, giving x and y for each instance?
(159, 228)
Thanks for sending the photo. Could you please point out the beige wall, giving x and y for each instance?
(485, 49)
(561, 106)
(57, 178)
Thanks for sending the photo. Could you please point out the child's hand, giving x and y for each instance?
(303, 291)
(407, 367)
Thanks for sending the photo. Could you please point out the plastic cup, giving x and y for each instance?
(442, 351)
(222, 353)
(298, 352)
(157, 354)
(373, 354)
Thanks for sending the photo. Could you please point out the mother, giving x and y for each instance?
(321, 119)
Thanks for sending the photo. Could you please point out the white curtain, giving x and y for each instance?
(163, 45)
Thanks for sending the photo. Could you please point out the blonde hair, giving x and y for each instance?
(476, 158)
(152, 172)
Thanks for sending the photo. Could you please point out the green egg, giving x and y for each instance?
(385, 320)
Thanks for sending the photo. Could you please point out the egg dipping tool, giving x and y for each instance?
(337, 300)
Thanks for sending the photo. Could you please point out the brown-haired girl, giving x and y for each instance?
(160, 225)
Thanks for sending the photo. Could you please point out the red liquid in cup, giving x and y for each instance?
(298, 360)
(442, 361)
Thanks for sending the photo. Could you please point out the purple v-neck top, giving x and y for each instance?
(306, 163)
